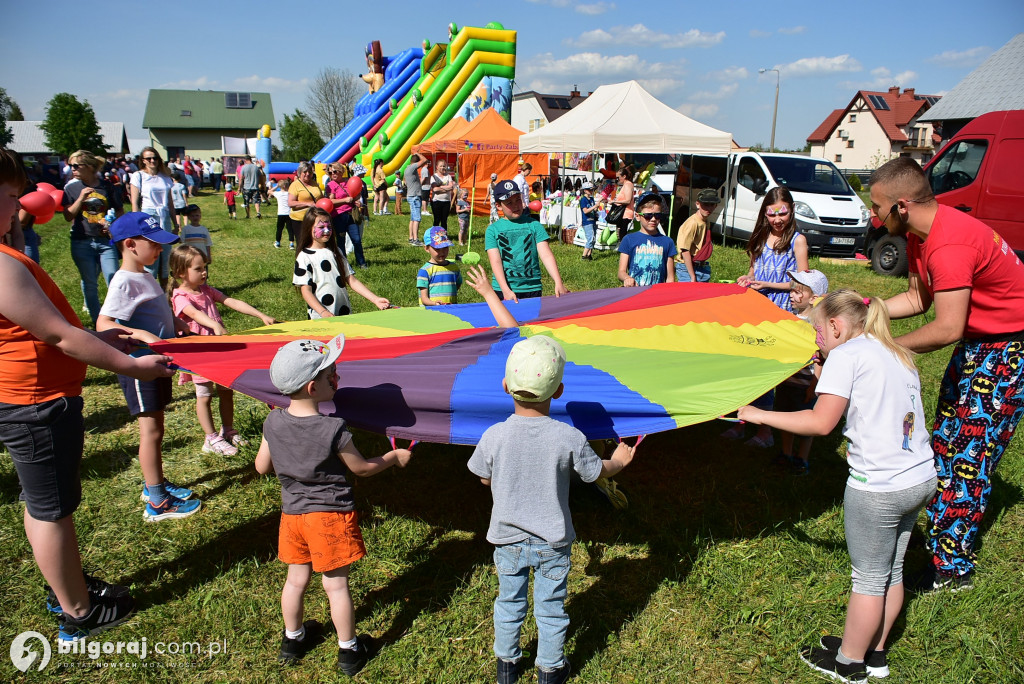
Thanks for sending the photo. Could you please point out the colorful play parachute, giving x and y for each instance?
(640, 360)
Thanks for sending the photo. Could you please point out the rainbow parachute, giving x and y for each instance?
(640, 360)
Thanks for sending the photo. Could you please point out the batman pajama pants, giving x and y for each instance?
(980, 403)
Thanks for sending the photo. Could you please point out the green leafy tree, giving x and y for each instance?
(855, 182)
(9, 111)
(300, 139)
(71, 125)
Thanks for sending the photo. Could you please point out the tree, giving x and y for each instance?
(331, 99)
(300, 139)
(70, 125)
(9, 111)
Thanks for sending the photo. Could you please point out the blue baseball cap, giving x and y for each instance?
(437, 237)
(504, 190)
(139, 224)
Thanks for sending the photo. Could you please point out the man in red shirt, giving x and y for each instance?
(976, 283)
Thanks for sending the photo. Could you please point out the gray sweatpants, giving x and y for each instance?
(878, 526)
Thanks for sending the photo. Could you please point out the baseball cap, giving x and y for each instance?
(814, 279)
(139, 224)
(505, 189)
(708, 196)
(647, 197)
(534, 366)
(437, 237)
(587, 185)
(299, 361)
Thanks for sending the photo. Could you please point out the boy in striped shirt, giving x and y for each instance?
(438, 280)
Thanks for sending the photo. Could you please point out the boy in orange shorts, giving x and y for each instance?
(313, 455)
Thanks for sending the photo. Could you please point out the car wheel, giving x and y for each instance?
(889, 256)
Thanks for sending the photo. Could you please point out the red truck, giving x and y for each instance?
(979, 171)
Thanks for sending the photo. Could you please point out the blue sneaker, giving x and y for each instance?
(171, 507)
(183, 493)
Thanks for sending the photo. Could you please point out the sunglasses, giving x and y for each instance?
(772, 214)
(78, 166)
(653, 216)
(152, 159)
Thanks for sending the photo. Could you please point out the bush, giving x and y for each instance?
(855, 183)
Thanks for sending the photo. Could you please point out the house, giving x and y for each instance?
(531, 110)
(193, 122)
(30, 141)
(875, 127)
(996, 85)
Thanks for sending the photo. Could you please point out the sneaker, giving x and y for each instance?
(508, 671)
(171, 507)
(735, 432)
(172, 489)
(426, 213)
(760, 442)
(610, 490)
(586, 257)
(96, 587)
(824, 661)
(801, 467)
(292, 650)
(291, 245)
(951, 583)
(104, 612)
(259, 215)
(352, 660)
(215, 444)
(783, 461)
(875, 662)
(559, 676)
(277, 245)
(233, 437)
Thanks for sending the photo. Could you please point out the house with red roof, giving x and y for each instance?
(875, 127)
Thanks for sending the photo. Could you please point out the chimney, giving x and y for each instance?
(894, 90)
(575, 91)
(909, 92)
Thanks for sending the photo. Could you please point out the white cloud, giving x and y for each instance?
(819, 66)
(697, 111)
(596, 8)
(271, 83)
(792, 30)
(729, 74)
(640, 34)
(724, 91)
(881, 79)
(961, 58)
(757, 33)
(548, 73)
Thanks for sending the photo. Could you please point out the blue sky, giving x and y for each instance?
(701, 58)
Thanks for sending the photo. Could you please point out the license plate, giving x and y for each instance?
(842, 241)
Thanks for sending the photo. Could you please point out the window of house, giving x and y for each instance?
(186, 112)
(853, 118)
(839, 158)
(839, 133)
(849, 143)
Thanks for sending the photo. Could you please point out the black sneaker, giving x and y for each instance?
(97, 588)
(508, 671)
(559, 676)
(952, 583)
(824, 661)
(875, 662)
(352, 660)
(104, 612)
(292, 650)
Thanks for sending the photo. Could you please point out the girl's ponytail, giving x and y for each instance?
(865, 314)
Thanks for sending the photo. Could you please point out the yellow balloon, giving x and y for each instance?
(265, 130)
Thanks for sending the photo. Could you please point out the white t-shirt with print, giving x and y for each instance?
(889, 440)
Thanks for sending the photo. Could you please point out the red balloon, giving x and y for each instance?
(535, 205)
(354, 186)
(325, 204)
(58, 197)
(37, 203)
(45, 187)
(45, 218)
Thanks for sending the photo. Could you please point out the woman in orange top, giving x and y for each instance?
(43, 355)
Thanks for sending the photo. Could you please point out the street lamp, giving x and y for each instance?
(775, 113)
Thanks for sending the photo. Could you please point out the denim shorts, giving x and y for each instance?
(45, 442)
(415, 207)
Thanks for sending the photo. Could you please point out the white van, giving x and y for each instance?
(828, 212)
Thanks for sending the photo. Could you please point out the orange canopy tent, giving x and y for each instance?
(486, 145)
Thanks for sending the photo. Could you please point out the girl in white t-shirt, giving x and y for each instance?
(872, 381)
(281, 196)
(322, 273)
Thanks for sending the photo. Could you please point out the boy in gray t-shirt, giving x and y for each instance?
(527, 461)
(312, 455)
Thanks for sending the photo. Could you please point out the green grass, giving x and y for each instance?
(718, 572)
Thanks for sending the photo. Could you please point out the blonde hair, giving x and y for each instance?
(181, 258)
(88, 158)
(864, 314)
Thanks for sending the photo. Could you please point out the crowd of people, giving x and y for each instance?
(959, 267)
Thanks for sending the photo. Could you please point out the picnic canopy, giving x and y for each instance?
(625, 118)
(485, 145)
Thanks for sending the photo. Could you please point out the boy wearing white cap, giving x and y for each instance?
(528, 460)
(312, 455)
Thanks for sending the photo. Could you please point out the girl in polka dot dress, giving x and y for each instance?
(322, 273)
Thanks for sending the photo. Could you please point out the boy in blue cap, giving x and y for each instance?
(438, 280)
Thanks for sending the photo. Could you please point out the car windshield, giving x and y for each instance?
(800, 174)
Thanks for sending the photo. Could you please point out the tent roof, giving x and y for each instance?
(487, 132)
(430, 145)
(623, 117)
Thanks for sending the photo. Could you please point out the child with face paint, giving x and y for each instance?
(322, 273)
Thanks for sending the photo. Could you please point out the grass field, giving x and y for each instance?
(719, 571)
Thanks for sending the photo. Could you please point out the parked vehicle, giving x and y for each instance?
(828, 212)
(978, 172)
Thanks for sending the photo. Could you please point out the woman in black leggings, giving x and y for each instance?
(443, 186)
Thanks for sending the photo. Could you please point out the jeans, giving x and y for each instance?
(343, 225)
(158, 269)
(551, 572)
(588, 231)
(32, 243)
(91, 256)
(702, 273)
(215, 180)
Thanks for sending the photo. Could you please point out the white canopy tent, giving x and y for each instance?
(623, 117)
